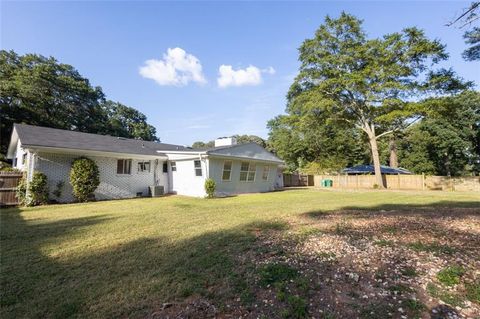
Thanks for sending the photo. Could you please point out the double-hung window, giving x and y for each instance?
(266, 171)
(144, 167)
(124, 166)
(198, 167)
(173, 166)
(227, 171)
(247, 172)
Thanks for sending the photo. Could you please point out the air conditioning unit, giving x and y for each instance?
(156, 191)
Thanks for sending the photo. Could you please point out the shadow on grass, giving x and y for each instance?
(127, 280)
(136, 278)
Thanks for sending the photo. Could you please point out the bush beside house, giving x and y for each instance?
(84, 178)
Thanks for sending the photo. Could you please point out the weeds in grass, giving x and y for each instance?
(305, 233)
(450, 276)
(435, 248)
(400, 289)
(473, 291)
(409, 272)
(414, 305)
(452, 299)
(375, 311)
(273, 273)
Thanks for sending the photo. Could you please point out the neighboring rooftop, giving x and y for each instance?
(39, 136)
(369, 169)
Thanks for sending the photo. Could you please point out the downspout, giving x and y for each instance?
(155, 173)
(206, 166)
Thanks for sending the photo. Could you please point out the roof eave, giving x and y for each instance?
(47, 149)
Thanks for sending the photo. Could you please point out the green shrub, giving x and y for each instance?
(22, 190)
(210, 188)
(84, 178)
(37, 191)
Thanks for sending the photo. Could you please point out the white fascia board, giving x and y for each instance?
(243, 158)
(58, 150)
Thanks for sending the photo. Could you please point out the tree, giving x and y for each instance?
(472, 37)
(301, 140)
(368, 83)
(447, 141)
(41, 91)
(128, 122)
(241, 139)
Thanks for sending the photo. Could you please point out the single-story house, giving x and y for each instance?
(130, 167)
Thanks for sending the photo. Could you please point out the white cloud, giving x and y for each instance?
(176, 68)
(251, 75)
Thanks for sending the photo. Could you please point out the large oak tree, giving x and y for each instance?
(371, 84)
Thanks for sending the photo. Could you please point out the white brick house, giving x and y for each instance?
(128, 167)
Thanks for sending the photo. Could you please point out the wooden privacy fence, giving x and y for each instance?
(293, 180)
(8, 186)
(407, 182)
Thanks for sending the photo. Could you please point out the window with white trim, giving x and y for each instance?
(173, 166)
(227, 171)
(124, 166)
(266, 171)
(198, 167)
(144, 167)
(247, 172)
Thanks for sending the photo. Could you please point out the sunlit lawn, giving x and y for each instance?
(126, 258)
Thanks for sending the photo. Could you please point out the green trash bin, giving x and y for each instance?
(327, 183)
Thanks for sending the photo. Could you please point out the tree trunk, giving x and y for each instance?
(393, 152)
(376, 160)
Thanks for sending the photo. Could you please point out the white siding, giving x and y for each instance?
(112, 185)
(235, 186)
(184, 181)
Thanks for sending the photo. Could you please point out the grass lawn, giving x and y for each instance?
(296, 253)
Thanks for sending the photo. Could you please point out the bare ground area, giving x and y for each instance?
(357, 264)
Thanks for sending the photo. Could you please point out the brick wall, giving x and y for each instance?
(57, 168)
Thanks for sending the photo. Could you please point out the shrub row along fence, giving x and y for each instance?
(407, 182)
(8, 186)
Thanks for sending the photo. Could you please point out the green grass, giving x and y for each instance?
(433, 247)
(450, 276)
(450, 298)
(126, 258)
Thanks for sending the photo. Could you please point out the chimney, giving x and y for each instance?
(225, 141)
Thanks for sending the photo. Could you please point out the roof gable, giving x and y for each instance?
(247, 151)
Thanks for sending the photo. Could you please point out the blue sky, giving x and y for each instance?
(109, 43)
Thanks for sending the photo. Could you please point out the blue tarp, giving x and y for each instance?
(368, 169)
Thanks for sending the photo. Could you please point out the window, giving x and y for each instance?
(165, 167)
(266, 170)
(124, 166)
(15, 162)
(247, 172)
(198, 167)
(143, 167)
(24, 158)
(173, 165)
(227, 170)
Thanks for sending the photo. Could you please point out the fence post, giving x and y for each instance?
(423, 181)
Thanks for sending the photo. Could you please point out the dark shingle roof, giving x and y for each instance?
(369, 169)
(247, 151)
(49, 137)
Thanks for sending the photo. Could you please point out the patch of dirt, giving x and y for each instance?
(356, 264)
